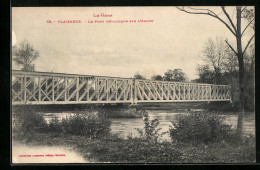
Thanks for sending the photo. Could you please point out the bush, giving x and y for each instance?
(26, 119)
(150, 132)
(200, 127)
(54, 125)
(91, 124)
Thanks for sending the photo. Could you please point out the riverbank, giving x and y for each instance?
(218, 106)
(112, 110)
(188, 106)
(112, 149)
(85, 135)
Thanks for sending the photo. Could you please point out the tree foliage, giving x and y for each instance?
(206, 75)
(175, 75)
(139, 76)
(228, 74)
(216, 54)
(25, 55)
(157, 77)
(218, 59)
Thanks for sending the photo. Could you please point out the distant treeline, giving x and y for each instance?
(220, 67)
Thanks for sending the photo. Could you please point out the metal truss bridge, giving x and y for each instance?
(60, 88)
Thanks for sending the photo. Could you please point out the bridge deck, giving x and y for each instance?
(60, 88)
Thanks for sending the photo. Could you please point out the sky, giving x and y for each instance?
(173, 40)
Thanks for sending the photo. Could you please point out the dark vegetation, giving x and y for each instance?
(200, 128)
(210, 139)
(176, 75)
(90, 124)
(25, 55)
(207, 75)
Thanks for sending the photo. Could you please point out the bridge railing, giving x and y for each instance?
(59, 88)
(166, 91)
(56, 88)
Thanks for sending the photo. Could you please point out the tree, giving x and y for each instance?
(157, 77)
(25, 55)
(250, 79)
(175, 75)
(139, 76)
(231, 63)
(215, 55)
(205, 74)
(238, 32)
(218, 55)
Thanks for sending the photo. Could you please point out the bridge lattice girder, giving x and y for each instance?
(59, 88)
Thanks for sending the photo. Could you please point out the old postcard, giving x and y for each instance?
(133, 84)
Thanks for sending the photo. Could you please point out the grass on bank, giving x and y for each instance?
(105, 147)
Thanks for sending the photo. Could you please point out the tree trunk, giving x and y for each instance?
(217, 74)
(242, 98)
(241, 75)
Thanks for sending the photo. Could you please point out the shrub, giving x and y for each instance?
(150, 131)
(55, 125)
(200, 127)
(91, 124)
(26, 119)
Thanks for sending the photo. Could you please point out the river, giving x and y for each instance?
(125, 127)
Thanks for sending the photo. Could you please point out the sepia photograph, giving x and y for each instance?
(123, 85)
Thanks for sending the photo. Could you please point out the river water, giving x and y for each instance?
(126, 127)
